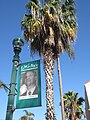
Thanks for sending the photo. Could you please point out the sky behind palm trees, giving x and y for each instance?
(74, 72)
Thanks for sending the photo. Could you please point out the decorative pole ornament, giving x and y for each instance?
(17, 44)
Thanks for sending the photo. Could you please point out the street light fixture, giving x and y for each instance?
(17, 44)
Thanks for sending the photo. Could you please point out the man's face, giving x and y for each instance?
(29, 78)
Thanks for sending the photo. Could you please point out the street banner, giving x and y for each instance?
(29, 85)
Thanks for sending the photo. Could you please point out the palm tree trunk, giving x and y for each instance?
(60, 88)
(48, 68)
(73, 112)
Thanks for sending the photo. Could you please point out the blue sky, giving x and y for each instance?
(74, 73)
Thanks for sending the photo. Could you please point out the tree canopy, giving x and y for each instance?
(54, 25)
(73, 105)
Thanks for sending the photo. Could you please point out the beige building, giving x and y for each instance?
(87, 99)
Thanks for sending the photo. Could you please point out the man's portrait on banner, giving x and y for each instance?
(29, 84)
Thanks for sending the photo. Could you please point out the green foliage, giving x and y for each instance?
(29, 113)
(28, 116)
(73, 105)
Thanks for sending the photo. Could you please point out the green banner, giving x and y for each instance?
(29, 85)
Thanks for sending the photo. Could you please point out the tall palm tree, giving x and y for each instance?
(73, 105)
(51, 30)
(28, 116)
(3, 86)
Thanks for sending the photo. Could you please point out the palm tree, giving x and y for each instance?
(51, 30)
(3, 86)
(28, 116)
(73, 105)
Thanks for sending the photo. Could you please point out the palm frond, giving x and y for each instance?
(32, 3)
(29, 113)
(80, 101)
(2, 85)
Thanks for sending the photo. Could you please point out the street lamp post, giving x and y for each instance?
(17, 44)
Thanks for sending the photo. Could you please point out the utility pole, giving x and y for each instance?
(60, 88)
(17, 44)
